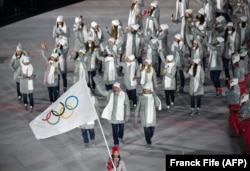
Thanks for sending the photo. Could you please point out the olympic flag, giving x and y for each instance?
(69, 111)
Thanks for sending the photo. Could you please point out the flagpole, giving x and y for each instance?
(106, 143)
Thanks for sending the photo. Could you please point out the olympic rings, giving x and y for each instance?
(61, 112)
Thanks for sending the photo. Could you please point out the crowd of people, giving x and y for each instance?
(208, 41)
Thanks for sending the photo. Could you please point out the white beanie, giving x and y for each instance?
(170, 57)
(230, 24)
(197, 60)
(63, 42)
(164, 26)
(243, 52)
(93, 24)
(190, 11)
(243, 18)
(220, 18)
(26, 59)
(135, 26)
(235, 58)
(155, 40)
(178, 36)
(220, 39)
(131, 57)
(111, 39)
(149, 61)
(147, 86)
(244, 97)
(77, 20)
(234, 81)
(59, 18)
(82, 51)
(55, 55)
(116, 84)
(154, 4)
(19, 47)
(91, 38)
(201, 11)
(115, 22)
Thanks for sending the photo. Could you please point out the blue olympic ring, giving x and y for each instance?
(77, 101)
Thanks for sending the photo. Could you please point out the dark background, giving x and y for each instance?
(15, 10)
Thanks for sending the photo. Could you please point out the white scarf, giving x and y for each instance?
(132, 66)
(242, 34)
(197, 53)
(132, 16)
(81, 70)
(28, 70)
(150, 24)
(213, 58)
(196, 77)
(51, 76)
(111, 69)
(150, 108)
(219, 4)
(92, 62)
(168, 80)
(108, 110)
(147, 78)
(231, 43)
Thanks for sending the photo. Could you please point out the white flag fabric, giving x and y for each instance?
(69, 111)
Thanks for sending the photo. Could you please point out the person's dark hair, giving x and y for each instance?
(226, 33)
(57, 25)
(119, 157)
(92, 48)
(194, 69)
(201, 19)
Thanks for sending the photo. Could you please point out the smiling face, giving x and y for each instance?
(115, 89)
(116, 154)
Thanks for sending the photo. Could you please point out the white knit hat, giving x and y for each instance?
(59, 18)
(164, 26)
(131, 57)
(235, 58)
(77, 20)
(93, 24)
(116, 22)
(116, 84)
(155, 40)
(149, 61)
(82, 51)
(170, 57)
(178, 36)
(147, 86)
(244, 97)
(220, 39)
(220, 19)
(197, 60)
(55, 55)
(91, 38)
(190, 11)
(243, 52)
(19, 47)
(26, 59)
(230, 24)
(111, 39)
(234, 81)
(201, 11)
(243, 18)
(135, 26)
(154, 4)
(63, 42)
